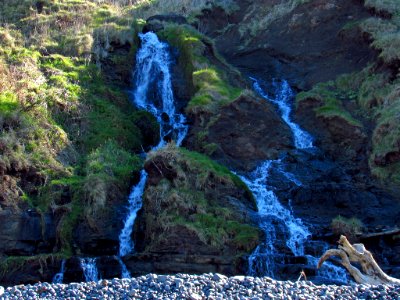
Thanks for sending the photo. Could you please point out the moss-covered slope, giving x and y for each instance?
(68, 132)
(194, 207)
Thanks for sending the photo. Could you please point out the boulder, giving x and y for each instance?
(196, 216)
(241, 135)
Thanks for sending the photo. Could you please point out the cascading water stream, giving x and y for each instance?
(59, 277)
(126, 244)
(284, 94)
(271, 212)
(89, 268)
(152, 69)
(153, 66)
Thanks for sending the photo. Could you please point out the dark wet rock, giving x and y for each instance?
(328, 189)
(245, 132)
(118, 66)
(170, 18)
(339, 138)
(101, 238)
(25, 232)
(308, 45)
(28, 270)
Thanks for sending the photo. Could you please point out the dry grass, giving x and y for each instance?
(259, 18)
(350, 227)
(390, 6)
(146, 8)
(194, 200)
(385, 31)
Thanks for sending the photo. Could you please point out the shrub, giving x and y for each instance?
(189, 8)
(351, 227)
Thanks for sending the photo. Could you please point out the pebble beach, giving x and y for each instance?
(196, 287)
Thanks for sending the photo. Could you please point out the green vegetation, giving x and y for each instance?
(214, 229)
(210, 83)
(330, 97)
(390, 6)
(13, 264)
(196, 200)
(65, 117)
(385, 32)
(62, 118)
(211, 90)
(350, 227)
(374, 98)
(374, 93)
(207, 165)
(147, 8)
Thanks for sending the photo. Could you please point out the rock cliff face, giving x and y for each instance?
(197, 216)
(304, 43)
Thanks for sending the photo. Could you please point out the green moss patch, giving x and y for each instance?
(205, 164)
(217, 229)
(210, 85)
(330, 98)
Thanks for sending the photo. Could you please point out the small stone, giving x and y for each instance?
(178, 282)
(218, 277)
(162, 278)
(1, 290)
(195, 297)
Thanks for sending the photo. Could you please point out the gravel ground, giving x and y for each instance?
(196, 287)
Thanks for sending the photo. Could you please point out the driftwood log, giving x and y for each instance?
(371, 272)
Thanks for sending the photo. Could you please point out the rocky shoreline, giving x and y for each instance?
(196, 287)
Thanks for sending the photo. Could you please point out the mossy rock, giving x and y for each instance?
(189, 193)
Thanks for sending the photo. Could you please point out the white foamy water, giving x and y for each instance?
(283, 98)
(89, 268)
(126, 244)
(59, 277)
(152, 69)
(124, 270)
(272, 212)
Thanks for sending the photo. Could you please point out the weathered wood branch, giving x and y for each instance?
(371, 272)
(389, 232)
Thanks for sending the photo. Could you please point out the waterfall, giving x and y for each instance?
(329, 271)
(284, 95)
(59, 277)
(152, 69)
(270, 210)
(124, 270)
(272, 214)
(89, 269)
(126, 244)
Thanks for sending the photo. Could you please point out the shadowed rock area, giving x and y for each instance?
(308, 44)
